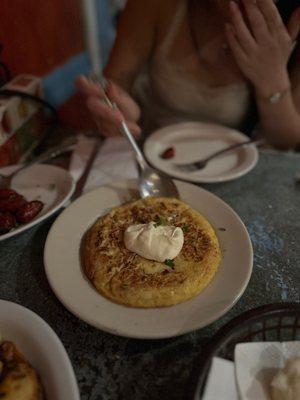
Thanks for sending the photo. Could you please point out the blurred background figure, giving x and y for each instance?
(212, 60)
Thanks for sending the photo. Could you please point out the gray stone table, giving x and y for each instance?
(109, 367)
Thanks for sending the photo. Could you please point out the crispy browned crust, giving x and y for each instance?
(18, 380)
(129, 279)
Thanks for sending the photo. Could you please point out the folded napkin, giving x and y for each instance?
(250, 375)
(257, 363)
(114, 162)
(221, 381)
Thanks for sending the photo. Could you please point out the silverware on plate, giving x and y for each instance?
(200, 164)
(5, 180)
(151, 182)
(88, 166)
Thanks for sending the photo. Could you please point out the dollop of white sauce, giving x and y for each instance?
(158, 243)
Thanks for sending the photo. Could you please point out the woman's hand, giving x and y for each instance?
(262, 46)
(108, 120)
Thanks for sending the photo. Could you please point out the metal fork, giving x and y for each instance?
(200, 164)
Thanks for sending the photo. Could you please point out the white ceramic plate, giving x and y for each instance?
(194, 141)
(64, 272)
(41, 347)
(52, 185)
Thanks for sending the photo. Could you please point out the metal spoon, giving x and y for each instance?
(151, 182)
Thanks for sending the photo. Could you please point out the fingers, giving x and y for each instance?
(134, 129)
(234, 44)
(256, 19)
(125, 102)
(294, 25)
(115, 94)
(241, 30)
(103, 111)
(108, 120)
(271, 15)
(109, 129)
(87, 88)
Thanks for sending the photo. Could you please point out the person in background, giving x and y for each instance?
(205, 60)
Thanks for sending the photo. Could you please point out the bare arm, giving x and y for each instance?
(262, 54)
(135, 40)
(280, 122)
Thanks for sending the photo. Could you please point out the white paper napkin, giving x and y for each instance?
(114, 162)
(257, 363)
(221, 381)
(80, 155)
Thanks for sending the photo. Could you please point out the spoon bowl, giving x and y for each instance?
(151, 182)
(154, 184)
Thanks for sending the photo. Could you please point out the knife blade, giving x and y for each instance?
(82, 180)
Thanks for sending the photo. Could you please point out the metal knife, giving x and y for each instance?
(82, 180)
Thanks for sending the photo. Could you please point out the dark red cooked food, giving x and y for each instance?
(5, 193)
(29, 211)
(169, 153)
(7, 222)
(12, 203)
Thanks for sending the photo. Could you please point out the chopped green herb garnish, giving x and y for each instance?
(185, 228)
(52, 186)
(125, 286)
(161, 222)
(170, 263)
(222, 229)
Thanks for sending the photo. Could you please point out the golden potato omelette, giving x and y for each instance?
(131, 280)
(18, 379)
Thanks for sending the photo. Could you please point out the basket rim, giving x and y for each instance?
(202, 362)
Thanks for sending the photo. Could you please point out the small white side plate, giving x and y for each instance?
(194, 141)
(41, 348)
(52, 185)
(65, 275)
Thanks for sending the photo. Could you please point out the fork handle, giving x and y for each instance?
(233, 147)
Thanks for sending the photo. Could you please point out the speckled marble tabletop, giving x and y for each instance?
(109, 367)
